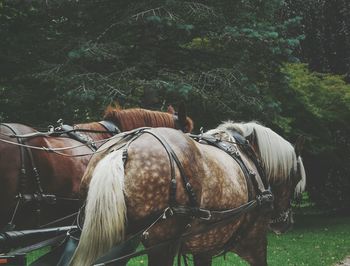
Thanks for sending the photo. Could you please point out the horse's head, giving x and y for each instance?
(285, 172)
(284, 191)
(283, 167)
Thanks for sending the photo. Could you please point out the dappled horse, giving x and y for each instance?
(205, 196)
(41, 172)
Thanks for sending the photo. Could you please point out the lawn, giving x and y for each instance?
(316, 239)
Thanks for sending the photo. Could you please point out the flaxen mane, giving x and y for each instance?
(276, 153)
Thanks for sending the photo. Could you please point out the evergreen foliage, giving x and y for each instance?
(326, 26)
(320, 111)
(226, 59)
(77, 57)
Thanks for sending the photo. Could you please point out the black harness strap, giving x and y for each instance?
(23, 172)
(249, 175)
(172, 156)
(24, 178)
(234, 153)
(136, 134)
(111, 127)
(105, 259)
(248, 149)
(83, 138)
(23, 175)
(77, 134)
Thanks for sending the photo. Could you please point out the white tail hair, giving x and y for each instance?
(105, 211)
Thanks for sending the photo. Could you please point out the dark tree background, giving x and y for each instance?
(275, 61)
(326, 26)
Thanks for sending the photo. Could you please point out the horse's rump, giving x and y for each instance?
(117, 142)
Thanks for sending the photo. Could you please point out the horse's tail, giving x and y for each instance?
(105, 211)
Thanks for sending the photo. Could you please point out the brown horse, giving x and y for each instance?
(33, 179)
(191, 197)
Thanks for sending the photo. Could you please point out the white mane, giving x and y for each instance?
(300, 187)
(277, 154)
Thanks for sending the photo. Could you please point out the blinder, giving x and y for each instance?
(177, 123)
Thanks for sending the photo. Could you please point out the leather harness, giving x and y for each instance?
(212, 218)
(38, 196)
(264, 196)
(83, 138)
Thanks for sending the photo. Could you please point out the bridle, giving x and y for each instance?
(282, 217)
(285, 213)
(177, 123)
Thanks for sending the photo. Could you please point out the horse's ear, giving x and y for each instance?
(299, 145)
(182, 115)
(171, 109)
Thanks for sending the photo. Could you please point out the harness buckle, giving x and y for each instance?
(167, 211)
(125, 156)
(145, 235)
(206, 212)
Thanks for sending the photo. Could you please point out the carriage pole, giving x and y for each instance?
(14, 239)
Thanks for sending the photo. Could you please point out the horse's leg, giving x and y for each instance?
(253, 251)
(163, 257)
(202, 259)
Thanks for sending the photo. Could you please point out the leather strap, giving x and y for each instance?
(172, 156)
(244, 143)
(23, 177)
(110, 126)
(234, 153)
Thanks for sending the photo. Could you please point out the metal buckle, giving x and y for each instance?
(167, 210)
(208, 214)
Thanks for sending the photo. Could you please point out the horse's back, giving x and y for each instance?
(211, 170)
(216, 178)
(58, 174)
(63, 170)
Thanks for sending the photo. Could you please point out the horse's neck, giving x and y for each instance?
(93, 126)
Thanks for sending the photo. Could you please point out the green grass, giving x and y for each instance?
(316, 240)
(34, 255)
